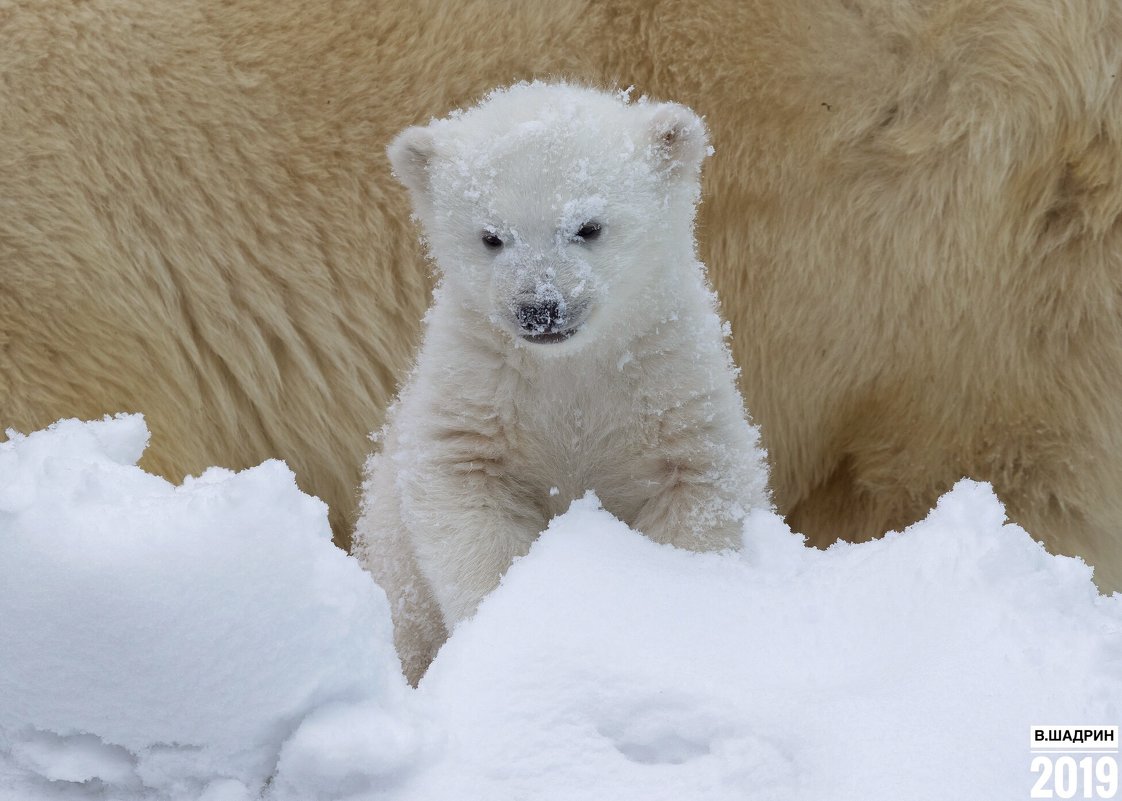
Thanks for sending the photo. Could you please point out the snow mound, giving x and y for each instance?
(207, 641)
(607, 666)
(176, 641)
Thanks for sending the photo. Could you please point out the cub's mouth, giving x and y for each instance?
(549, 338)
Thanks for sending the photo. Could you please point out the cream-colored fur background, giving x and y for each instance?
(913, 220)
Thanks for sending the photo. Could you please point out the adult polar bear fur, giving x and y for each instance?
(573, 346)
(914, 221)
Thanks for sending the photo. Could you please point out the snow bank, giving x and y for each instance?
(171, 640)
(606, 666)
(207, 641)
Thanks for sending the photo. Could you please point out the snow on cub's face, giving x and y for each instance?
(556, 212)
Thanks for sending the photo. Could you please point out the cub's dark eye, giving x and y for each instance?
(589, 231)
(491, 240)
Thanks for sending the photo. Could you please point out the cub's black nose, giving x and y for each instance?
(540, 316)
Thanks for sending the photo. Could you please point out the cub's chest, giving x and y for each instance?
(583, 435)
(577, 410)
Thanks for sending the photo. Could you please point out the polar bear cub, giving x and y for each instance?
(573, 344)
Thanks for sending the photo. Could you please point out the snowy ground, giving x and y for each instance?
(207, 641)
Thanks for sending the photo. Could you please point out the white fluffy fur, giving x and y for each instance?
(493, 434)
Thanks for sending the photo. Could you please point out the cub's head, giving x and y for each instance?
(558, 213)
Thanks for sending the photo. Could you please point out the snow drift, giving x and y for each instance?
(172, 639)
(610, 667)
(208, 641)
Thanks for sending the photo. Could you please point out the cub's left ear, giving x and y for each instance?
(679, 140)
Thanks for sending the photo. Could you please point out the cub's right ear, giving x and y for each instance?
(410, 153)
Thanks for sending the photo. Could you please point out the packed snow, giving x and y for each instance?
(207, 641)
(176, 641)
